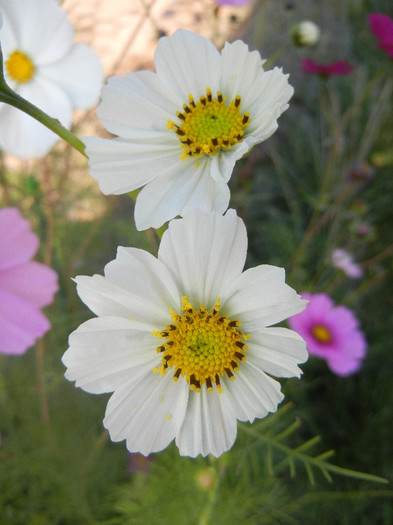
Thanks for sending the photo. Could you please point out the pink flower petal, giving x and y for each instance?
(381, 26)
(20, 324)
(17, 242)
(326, 70)
(32, 281)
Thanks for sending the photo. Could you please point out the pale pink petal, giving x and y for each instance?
(20, 324)
(17, 242)
(32, 281)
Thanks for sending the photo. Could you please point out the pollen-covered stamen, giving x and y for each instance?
(20, 67)
(202, 346)
(321, 333)
(209, 125)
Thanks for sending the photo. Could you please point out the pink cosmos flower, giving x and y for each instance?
(343, 260)
(326, 70)
(332, 333)
(25, 285)
(382, 27)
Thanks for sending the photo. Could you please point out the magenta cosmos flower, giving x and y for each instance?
(382, 27)
(326, 70)
(25, 285)
(332, 333)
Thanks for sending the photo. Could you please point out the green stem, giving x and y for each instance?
(8, 96)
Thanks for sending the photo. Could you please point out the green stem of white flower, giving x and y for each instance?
(8, 96)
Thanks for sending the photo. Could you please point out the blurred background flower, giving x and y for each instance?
(232, 2)
(305, 34)
(382, 27)
(343, 260)
(42, 65)
(326, 70)
(25, 285)
(332, 333)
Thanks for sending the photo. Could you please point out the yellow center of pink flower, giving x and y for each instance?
(201, 346)
(20, 67)
(209, 125)
(321, 333)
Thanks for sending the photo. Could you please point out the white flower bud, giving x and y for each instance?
(305, 34)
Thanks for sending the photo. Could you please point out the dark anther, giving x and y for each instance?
(228, 372)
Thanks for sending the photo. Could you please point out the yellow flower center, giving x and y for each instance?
(201, 346)
(20, 67)
(209, 125)
(321, 333)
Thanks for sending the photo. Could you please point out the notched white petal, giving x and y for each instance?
(147, 413)
(106, 351)
(209, 426)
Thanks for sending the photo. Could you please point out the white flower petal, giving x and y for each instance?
(97, 370)
(24, 136)
(145, 300)
(270, 102)
(277, 351)
(138, 101)
(223, 163)
(209, 425)
(119, 166)
(244, 79)
(147, 412)
(260, 297)
(253, 393)
(40, 28)
(79, 74)
(205, 253)
(176, 192)
(187, 63)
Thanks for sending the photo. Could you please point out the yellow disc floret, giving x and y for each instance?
(20, 67)
(321, 333)
(202, 346)
(209, 125)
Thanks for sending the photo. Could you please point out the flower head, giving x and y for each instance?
(185, 340)
(343, 260)
(25, 285)
(182, 129)
(43, 66)
(382, 27)
(326, 70)
(332, 333)
(305, 34)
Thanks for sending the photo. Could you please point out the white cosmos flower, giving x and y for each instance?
(185, 340)
(42, 64)
(181, 130)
